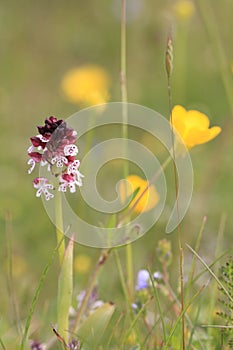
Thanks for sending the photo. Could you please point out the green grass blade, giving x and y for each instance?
(211, 272)
(211, 265)
(92, 330)
(2, 344)
(116, 324)
(197, 246)
(136, 318)
(156, 296)
(65, 289)
(9, 274)
(180, 317)
(36, 295)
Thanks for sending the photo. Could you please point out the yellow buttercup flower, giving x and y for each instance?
(87, 85)
(184, 9)
(193, 126)
(149, 199)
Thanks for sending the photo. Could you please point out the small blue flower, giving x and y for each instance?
(134, 306)
(143, 280)
(157, 275)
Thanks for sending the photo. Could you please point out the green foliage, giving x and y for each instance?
(226, 276)
(92, 329)
(40, 42)
(65, 291)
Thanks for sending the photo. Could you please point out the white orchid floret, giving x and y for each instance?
(43, 186)
(70, 150)
(32, 163)
(59, 160)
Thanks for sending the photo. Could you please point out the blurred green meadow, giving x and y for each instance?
(40, 42)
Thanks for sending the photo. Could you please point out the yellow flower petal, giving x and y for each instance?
(193, 126)
(197, 119)
(149, 199)
(178, 119)
(200, 137)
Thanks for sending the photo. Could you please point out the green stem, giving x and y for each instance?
(169, 66)
(180, 78)
(124, 98)
(197, 246)
(212, 273)
(91, 284)
(129, 262)
(65, 281)
(181, 257)
(129, 254)
(121, 274)
(214, 290)
(104, 255)
(36, 296)
(59, 226)
(65, 289)
(102, 261)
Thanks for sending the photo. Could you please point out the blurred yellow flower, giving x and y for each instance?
(149, 199)
(87, 85)
(184, 9)
(82, 263)
(132, 339)
(19, 266)
(193, 126)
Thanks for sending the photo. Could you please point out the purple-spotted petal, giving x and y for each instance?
(43, 186)
(70, 150)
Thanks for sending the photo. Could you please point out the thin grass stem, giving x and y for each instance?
(169, 68)
(213, 292)
(2, 344)
(211, 272)
(36, 296)
(156, 296)
(59, 226)
(136, 318)
(197, 246)
(124, 99)
(121, 274)
(180, 317)
(90, 286)
(9, 276)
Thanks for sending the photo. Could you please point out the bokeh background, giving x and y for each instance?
(40, 42)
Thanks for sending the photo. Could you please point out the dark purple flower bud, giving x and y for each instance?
(71, 159)
(37, 142)
(51, 124)
(68, 178)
